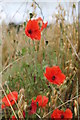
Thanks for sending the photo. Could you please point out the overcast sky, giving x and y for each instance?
(17, 10)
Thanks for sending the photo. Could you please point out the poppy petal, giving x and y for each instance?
(68, 113)
(12, 97)
(54, 75)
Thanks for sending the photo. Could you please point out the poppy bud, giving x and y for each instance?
(46, 42)
(31, 15)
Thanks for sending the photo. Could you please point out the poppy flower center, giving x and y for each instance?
(62, 116)
(30, 31)
(30, 108)
(53, 78)
(11, 100)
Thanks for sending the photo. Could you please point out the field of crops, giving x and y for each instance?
(41, 68)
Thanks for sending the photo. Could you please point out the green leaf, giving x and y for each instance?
(26, 114)
(23, 51)
(34, 98)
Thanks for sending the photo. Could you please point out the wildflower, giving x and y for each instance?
(33, 107)
(61, 114)
(42, 100)
(42, 25)
(33, 29)
(54, 75)
(13, 118)
(12, 97)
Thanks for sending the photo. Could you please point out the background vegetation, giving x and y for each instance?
(24, 61)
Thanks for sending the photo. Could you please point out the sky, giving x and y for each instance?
(17, 11)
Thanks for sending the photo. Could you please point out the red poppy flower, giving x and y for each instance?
(13, 118)
(12, 97)
(33, 29)
(33, 107)
(54, 75)
(42, 25)
(61, 114)
(42, 100)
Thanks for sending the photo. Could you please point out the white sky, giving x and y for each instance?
(17, 10)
